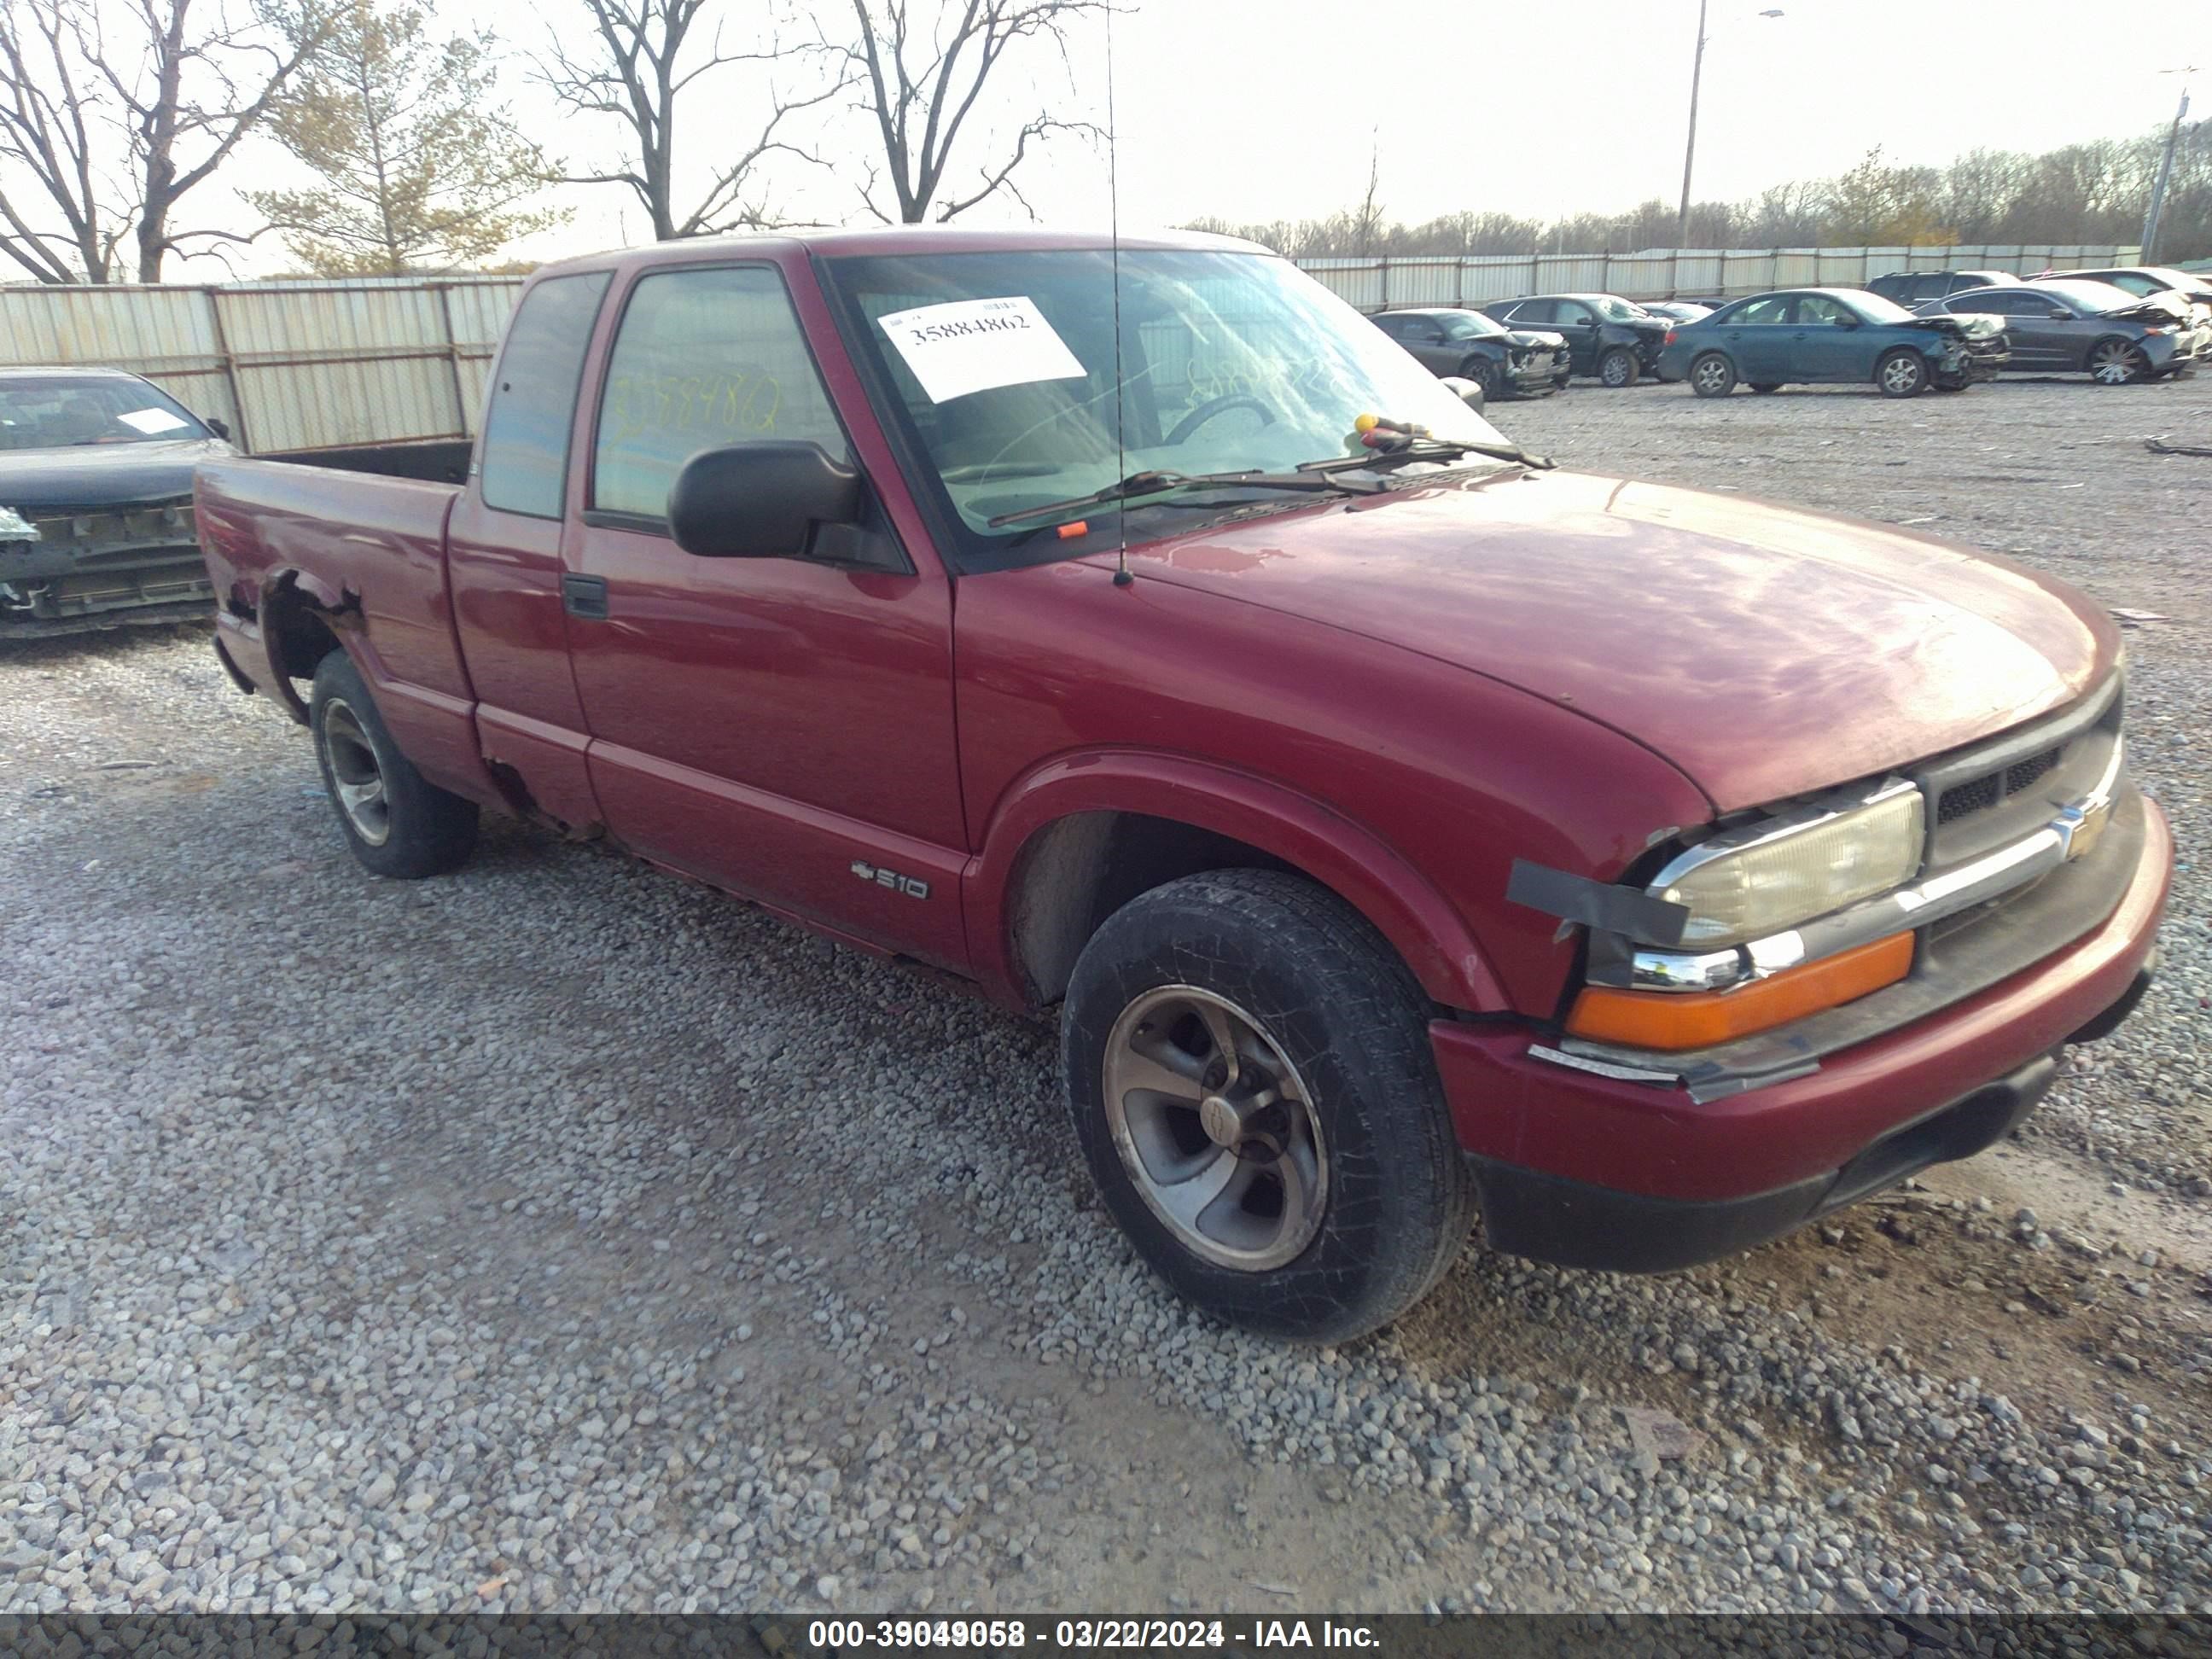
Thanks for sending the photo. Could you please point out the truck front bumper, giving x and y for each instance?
(1594, 1172)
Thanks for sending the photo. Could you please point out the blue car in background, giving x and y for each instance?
(1806, 335)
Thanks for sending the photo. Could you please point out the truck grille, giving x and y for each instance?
(1979, 794)
(2002, 789)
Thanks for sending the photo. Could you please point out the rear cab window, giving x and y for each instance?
(525, 465)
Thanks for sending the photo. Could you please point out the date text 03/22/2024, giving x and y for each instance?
(1086, 1635)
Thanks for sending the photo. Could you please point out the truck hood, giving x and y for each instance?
(102, 475)
(1765, 651)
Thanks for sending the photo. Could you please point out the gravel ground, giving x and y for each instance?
(558, 1237)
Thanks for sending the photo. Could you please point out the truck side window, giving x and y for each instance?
(533, 402)
(703, 358)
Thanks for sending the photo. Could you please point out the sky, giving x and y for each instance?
(1254, 110)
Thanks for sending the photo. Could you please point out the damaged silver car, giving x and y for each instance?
(96, 501)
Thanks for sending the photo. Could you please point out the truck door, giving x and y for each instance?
(503, 552)
(779, 727)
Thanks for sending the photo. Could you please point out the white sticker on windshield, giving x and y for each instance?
(973, 345)
(153, 420)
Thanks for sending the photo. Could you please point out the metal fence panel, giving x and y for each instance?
(293, 365)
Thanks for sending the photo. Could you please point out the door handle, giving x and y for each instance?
(585, 597)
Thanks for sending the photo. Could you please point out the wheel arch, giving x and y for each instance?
(295, 615)
(1081, 837)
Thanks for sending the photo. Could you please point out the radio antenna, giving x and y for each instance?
(1121, 576)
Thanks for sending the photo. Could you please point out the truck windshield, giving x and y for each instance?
(1000, 368)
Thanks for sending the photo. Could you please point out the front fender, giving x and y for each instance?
(1341, 854)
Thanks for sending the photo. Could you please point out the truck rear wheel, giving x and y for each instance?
(1249, 1067)
(398, 821)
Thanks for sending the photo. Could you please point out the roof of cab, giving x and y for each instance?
(906, 239)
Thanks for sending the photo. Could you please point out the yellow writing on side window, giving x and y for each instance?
(731, 400)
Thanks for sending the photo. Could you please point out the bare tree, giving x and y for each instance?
(188, 89)
(641, 58)
(54, 137)
(1368, 219)
(921, 83)
(113, 112)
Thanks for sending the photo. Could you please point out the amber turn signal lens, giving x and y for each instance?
(1696, 1019)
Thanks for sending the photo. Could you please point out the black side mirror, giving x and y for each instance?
(2059, 314)
(1469, 392)
(221, 429)
(765, 500)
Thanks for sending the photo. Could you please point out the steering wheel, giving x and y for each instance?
(1213, 406)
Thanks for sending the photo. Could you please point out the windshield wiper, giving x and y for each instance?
(1162, 484)
(1425, 449)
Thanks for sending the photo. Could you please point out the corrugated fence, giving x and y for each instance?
(319, 365)
(1668, 273)
(285, 365)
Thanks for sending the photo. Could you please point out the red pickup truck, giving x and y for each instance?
(1402, 828)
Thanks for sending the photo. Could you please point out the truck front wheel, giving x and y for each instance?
(1249, 1067)
(398, 821)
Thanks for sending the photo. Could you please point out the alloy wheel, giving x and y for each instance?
(2113, 363)
(355, 773)
(1215, 1128)
(1901, 374)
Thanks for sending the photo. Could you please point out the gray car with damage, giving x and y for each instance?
(96, 501)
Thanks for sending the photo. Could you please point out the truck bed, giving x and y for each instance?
(299, 546)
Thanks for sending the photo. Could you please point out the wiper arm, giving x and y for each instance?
(1161, 484)
(1425, 449)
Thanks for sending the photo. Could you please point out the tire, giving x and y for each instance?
(2116, 362)
(398, 821)
(1484, 373)
(1766, 386)
(1378, 1199)
(1713, 375)
(1901, 374)
(1618, 369)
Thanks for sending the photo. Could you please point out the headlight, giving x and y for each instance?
(1769, 876)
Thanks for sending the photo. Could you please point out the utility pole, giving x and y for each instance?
(1690, 146)
(2164, 168)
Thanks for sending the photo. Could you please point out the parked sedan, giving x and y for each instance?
(1679, 310)
(1611, 339)
(2064, 328)
(1503, 361)
(2146, 282)
(1845, 334)
(96, 501)
(1914, 288)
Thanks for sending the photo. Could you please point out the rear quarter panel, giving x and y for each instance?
(368, 554)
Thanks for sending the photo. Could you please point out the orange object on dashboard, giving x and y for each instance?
(1697, 1019)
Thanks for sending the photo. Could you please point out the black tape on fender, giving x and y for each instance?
(1597, 904)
